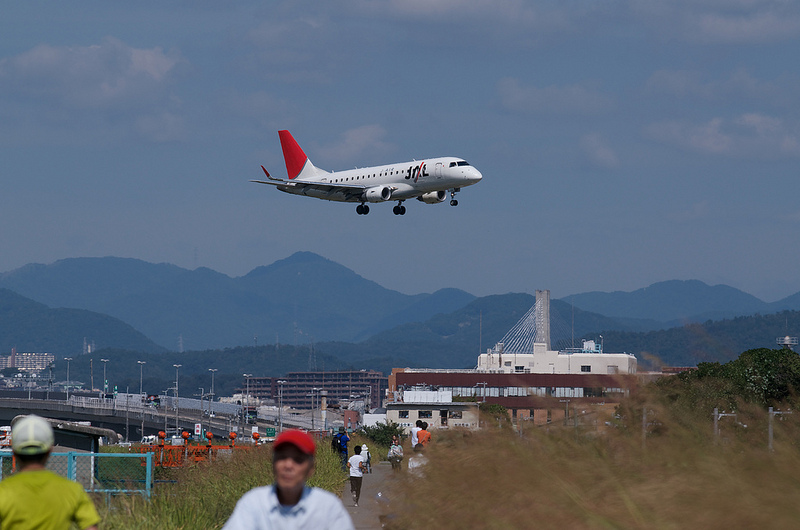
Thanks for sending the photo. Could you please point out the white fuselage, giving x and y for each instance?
(405, 180)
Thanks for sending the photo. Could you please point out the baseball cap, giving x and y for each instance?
(31, 435)
(297, 438)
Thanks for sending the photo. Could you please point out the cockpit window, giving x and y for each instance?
(452, 164)
(462, 163)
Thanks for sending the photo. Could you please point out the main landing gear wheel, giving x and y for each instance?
(399, 209)
(362, 209)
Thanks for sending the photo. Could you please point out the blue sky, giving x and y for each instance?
(621, 143)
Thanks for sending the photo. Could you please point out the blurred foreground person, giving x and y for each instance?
(417, 461)
(34, 497)
(289, 503)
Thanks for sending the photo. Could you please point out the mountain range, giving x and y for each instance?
(306, 299)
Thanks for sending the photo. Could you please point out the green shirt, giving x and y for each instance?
(43, 500)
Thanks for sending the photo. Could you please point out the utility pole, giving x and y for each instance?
(68, 359)
(105, 381)
(177, 421)
(772, 414)
(141, 396)
(281, 382)
(211, 395)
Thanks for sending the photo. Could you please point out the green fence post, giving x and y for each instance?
(71, 472)
(149, 478)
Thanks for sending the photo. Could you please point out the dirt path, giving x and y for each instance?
(373, 494)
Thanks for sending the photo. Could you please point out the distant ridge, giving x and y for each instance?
(675, 302)
(303, 298)
(306, 298)
(30, 326)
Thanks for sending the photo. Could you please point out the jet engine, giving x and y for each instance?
(433, 197)
(378, 194)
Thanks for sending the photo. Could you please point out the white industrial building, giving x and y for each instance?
(526, 350)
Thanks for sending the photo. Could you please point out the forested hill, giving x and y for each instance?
(711, 341)
(30, 326)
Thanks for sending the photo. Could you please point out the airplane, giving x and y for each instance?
(427, 181)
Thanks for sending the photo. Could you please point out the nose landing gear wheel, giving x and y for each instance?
(453, 202)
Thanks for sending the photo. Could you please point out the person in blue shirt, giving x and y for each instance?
(289, 503)
(340, 440)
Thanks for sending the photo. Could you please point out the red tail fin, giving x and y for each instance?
(293, 155)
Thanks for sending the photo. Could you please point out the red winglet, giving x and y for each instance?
(266, 172)
(293, 155)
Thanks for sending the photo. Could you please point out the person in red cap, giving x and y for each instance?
(289, 503)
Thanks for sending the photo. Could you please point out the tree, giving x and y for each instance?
(760, 376)
(382, 433)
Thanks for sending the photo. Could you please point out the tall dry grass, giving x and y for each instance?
(204, 495)
(598, 477)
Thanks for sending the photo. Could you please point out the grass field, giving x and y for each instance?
(680, 475)
(204, 495)
(670, 471)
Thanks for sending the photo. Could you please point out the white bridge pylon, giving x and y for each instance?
(532, 328)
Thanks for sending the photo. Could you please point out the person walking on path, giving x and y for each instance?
(367, 458)
(357, 468)
(289, 503)
(34, 497)
(423, 436)
(395, 455)
(339, 445)
(414, 433)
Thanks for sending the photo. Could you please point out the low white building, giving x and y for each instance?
(436, 407)
(585, 360)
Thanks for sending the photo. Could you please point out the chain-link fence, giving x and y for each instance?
(107, 473)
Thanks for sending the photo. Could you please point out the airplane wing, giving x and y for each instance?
(302, 187)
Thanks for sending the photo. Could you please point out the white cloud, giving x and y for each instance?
(720, 21)
(755, 27)
(571, 99)
(598, 152)
(740, 84)
(92, 87)
(357, 144)
(751, 135)
(96, 76)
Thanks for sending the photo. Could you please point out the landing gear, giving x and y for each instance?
(399, 209)
(453, 201)
(362, 209)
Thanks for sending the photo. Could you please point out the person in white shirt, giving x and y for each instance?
(289, 503)
(357, 468)
(414, 431)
